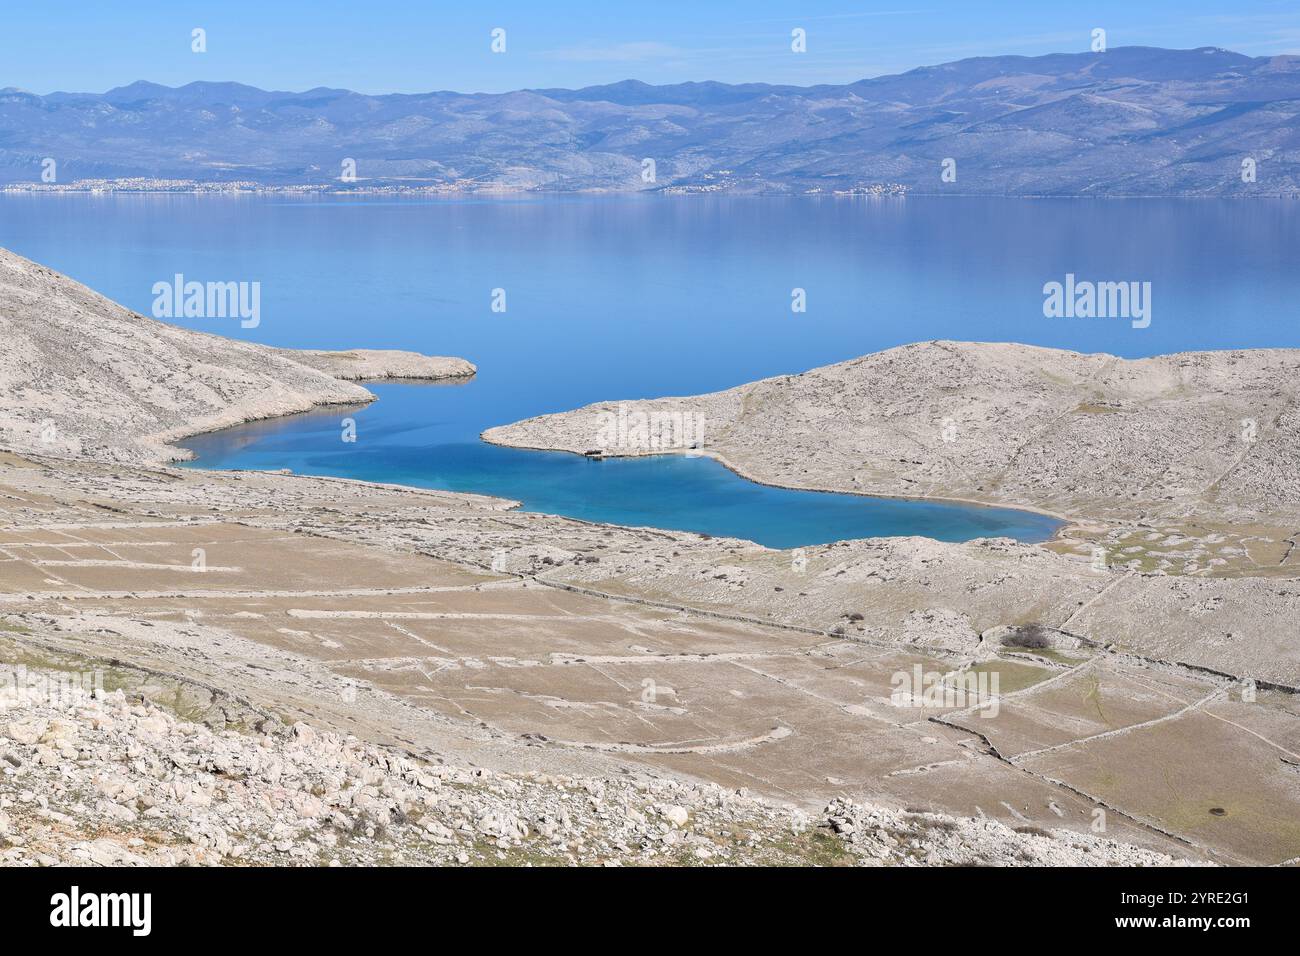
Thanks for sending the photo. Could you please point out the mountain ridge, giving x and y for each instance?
(1130, 121)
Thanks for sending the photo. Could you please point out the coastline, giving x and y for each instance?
(742, 473)
(172, 438)
(1044, 431)
(320, 191)
(122, 386)
(938, 603)
(182, 454)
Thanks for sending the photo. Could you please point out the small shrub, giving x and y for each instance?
(1030, 636)
(1031, 830)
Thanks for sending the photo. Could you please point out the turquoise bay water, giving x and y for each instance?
(394, 443)
(642, 297)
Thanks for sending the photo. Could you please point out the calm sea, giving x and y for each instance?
(625, 298)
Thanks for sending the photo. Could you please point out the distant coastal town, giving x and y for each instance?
(144, 184)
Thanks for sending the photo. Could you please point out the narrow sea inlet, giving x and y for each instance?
(678, 492)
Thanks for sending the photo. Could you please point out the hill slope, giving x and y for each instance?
(1088, 435)
(83, 376)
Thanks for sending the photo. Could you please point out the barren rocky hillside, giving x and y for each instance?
(83, 376)
(1215, 434)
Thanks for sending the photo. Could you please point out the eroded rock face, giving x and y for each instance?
(111, 781)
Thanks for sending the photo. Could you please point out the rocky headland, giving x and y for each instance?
(1210, 435)
(82, 376)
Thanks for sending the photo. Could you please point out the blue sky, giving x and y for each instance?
(381, 46)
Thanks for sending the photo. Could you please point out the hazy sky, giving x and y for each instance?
(381, 46)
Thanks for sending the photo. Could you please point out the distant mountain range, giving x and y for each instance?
(1130, 121)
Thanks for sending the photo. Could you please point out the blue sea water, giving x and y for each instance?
(398, 441)
(639, 297)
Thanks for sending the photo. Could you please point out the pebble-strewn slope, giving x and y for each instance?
(113, 781)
